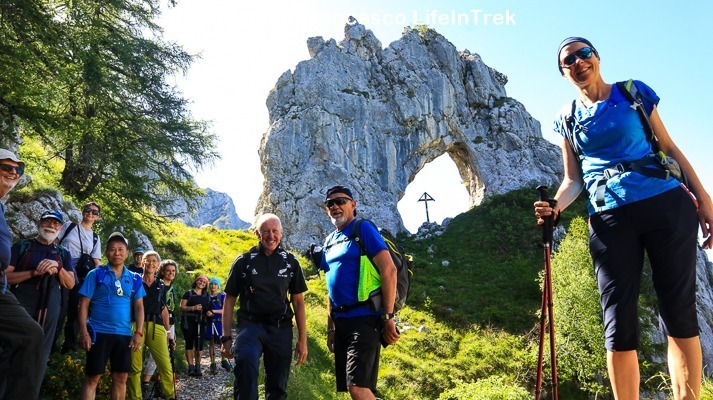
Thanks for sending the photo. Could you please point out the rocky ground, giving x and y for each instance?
(206, 387)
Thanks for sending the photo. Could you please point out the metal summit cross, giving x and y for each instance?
(425, 198)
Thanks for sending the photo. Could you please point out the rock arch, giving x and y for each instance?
(371, 118)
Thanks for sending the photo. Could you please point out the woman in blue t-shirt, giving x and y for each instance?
(632, 212)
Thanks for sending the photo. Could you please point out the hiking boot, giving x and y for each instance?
(198, 371)
(145, 390)
(158, 390)
(213, 369)
(191, 370)
(226, 365)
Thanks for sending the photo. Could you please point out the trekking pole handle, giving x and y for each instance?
(547, 227)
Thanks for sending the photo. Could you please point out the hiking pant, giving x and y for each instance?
(29, 297)
(275, 344)
(666, 227)
(21, 341)
(71, 329)
(155, 339)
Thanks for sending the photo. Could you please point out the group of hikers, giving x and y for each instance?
(115, 311)
(644, 196)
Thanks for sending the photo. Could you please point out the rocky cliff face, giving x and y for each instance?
(371, 118)
(213, 208)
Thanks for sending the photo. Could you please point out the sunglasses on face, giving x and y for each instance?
(585, 53)
(91, 211)
(340, 201)
(12, 169)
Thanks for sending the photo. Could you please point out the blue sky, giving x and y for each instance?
(246, 46)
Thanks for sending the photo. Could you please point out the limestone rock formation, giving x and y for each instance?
(213, 208)
(371, 118)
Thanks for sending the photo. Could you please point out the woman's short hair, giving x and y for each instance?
(151, 253)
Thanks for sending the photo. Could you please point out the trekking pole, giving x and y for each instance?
(547, 301)
(44, 298)
(173, 368)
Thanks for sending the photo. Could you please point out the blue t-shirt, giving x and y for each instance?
(108, 311)
(340, 262)
(610, 132)
(5, 240)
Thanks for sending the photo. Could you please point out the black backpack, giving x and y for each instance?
(404, 269)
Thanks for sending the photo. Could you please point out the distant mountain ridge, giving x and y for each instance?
(214, 208)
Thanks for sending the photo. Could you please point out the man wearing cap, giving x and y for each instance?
(38, 267)
(136, 266)
(85, 247)
(267, 279)
(20, 335)
(354, 330)
(106, 333)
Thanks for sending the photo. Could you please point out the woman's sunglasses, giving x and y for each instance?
(585, 53)
(340, 201)
(91, 211)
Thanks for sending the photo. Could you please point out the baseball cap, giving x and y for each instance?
(52, 214)
(6, 154)
(117, 236)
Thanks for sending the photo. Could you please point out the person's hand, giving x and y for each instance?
(330, 340)
(301, 352)
(226, 349)
(85, 341)
(209, 313)
(542, 209)
(47, 266)
(171, 344)
(390, 333)
(135, 344)
(705, 218)
(197, 307)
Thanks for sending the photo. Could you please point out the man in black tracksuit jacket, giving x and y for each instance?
(262, 279)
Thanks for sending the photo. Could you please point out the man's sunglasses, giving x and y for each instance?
(91, 211)
(585, 53)
(12, 168)
(119, 290)
(340, 201)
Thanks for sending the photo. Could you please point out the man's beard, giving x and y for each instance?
(48, 235)
(337, 222)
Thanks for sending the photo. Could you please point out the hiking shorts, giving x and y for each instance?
(357, 345)
(666, 227)
(109, 347)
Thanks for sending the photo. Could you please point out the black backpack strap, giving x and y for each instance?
(569, 122)
(632, 93)
(66, 232)
(94, 241)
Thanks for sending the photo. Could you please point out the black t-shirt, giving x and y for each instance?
(155, 298)
(262, 293)
(192, 299)
(34, 253)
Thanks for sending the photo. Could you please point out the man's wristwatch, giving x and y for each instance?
(387, 316)
(224, 339)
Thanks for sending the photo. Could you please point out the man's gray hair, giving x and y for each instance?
(264, 218)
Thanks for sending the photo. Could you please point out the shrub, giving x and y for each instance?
(579, 328)
(495, 387)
